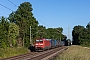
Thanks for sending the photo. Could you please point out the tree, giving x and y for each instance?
(81, 35)
(13, 33)
(4, 32)
(41, 32)
(55, 33)
(59, 36)
(88, 26)
(77, 33)
(24, 18)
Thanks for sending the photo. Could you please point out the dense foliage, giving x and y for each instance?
(81, 35)
(15, 30)
(4, 24)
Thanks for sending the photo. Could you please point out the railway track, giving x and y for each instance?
(22, 57)
(49, 54)
(38, 55)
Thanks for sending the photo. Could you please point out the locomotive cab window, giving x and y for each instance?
(39, 40)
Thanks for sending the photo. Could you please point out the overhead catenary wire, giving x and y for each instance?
(30, 26)
(39, 21)
(16, 5)
(6, 7)
(12, 3)
(11, 9)
(48, 25)
(60, 31)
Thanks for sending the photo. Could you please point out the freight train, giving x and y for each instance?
(42, 44)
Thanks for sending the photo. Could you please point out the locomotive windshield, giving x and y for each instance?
(39, 40)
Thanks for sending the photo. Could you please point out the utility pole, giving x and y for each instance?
(30, 36)
(68, 32)
(60, 35)
(68, 35)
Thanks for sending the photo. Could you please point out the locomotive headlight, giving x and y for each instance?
(36, 44)
(41, 44)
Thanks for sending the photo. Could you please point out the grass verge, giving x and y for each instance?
(75, 53)
(9, 52)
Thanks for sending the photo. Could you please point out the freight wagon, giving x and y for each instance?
(53, 43)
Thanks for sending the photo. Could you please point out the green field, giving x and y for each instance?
(8, 52)
(75, 53)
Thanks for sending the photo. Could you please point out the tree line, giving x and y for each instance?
(81, 35)
(15, 29)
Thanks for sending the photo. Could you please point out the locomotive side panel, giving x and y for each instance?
(47, 44)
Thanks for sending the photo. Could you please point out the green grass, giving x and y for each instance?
(8, 52)
(75, 53)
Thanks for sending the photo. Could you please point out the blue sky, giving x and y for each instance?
(54, 13)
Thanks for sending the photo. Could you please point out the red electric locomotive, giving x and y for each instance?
(42, 44)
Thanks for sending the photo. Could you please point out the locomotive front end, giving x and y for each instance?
(39, 45)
